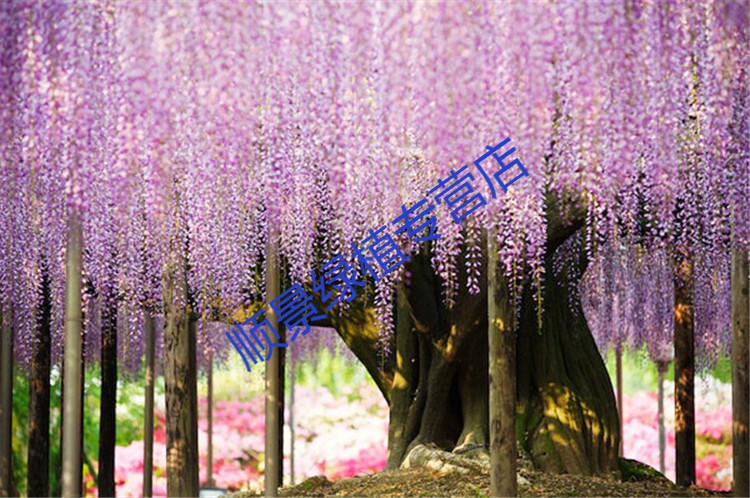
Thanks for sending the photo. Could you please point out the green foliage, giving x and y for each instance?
(92, 395)
(232, 381)
(334, 371)
(131, 403)
(20, 430)
(130, 406)
(639, 372)
(55, 432)
(477, 491)
(723, 370)
(633, 470)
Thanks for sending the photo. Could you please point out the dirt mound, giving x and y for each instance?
(428, 482)
(437, 473)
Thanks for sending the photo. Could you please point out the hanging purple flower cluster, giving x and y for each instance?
(208, 128)
(628, 298)
(60, 78)
(338, 278)
(680, 187)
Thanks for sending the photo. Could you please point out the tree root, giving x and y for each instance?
(475, 460)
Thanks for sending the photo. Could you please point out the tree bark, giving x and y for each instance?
(436, 381)
(57, 488)
(282, 393)
(6, 405)
(292, 432)
(107, 413)
(81, 401)
(662, 369)
(273, 389)
(358, 328)
(210, 413)
(39, 398)
(740, 371)
(72, 413)
(181, 405)
(684, 372)
(502, 379)
(148, 422)
(403, 382)
(192, 393)
(567, 409)
(620, 402)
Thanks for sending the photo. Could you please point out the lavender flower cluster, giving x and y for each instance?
(294, 307)
(126, 113)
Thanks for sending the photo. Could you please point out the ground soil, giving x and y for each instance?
(427, 482)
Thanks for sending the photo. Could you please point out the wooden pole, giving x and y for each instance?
(210, 410)
(57, 490)
(6, 405)
(148, 419)
(502, 380)
(73, 354)
(273, 391)
(108, 405)
(740, 367)
(282, 393)
(661, 369)
(179, 373)
(684, 373)
(37, 475)
(292, 381)
(618, 373)
(192, 396)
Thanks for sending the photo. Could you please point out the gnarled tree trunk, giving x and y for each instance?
(568, 416)
(436, 380)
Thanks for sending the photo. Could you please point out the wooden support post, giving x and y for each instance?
(273, 391)
(210, 413)
(740, 360)
(662, 369)
(618, 373)
(73, 356)
(148, 417)
(502, 379)
(6, 405)
(684, 373)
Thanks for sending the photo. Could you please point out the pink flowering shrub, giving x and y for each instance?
(339, 438)
(713, 420)
(333, 436)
